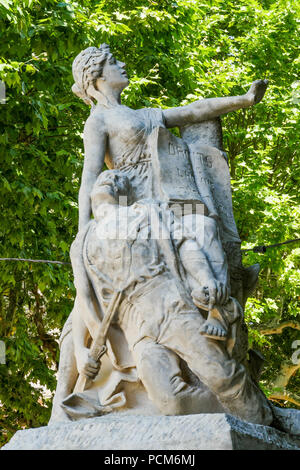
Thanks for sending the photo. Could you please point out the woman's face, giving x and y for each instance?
(114, 73)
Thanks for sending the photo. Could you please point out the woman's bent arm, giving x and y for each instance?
(95, 140)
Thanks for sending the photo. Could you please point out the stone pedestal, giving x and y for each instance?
(135, 432)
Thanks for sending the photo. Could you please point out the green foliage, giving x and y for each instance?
(176, 52)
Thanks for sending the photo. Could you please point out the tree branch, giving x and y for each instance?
(285, 396)
(48, 342)
(277, 329)
(287, 370)
(10, 311)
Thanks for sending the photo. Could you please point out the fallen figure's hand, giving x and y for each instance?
(214, 293)
(86, 365)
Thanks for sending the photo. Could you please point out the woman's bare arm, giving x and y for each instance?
(85, 318)
(86, 365)
(95, 140)
(210, 108)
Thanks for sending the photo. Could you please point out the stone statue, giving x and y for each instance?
(163, 242)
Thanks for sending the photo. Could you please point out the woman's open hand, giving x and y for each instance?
(257, 91)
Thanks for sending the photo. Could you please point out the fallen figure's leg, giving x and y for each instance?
(159, 370)
(210, 362)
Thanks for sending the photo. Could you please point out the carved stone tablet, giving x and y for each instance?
(212, 177)
(173, 179)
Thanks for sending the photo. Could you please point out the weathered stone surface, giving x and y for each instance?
(160, 286)
(131, 432)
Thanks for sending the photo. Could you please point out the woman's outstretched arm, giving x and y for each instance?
(210, 108)
(95, 140)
